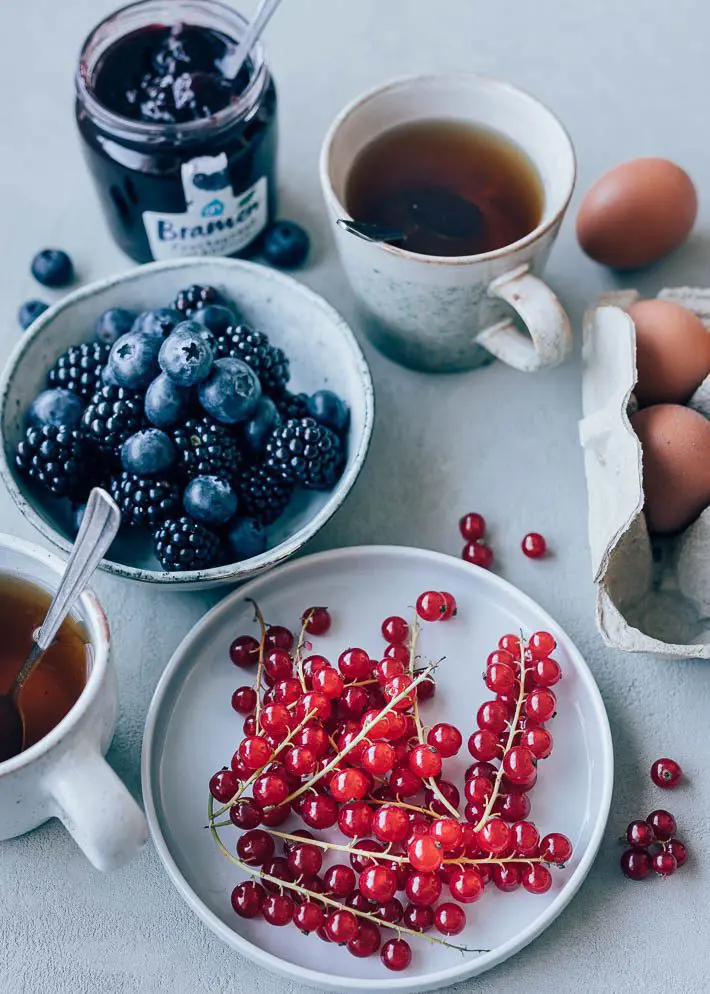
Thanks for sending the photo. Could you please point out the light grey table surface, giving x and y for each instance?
(628, 79)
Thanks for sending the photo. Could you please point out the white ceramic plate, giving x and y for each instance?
(191, 731)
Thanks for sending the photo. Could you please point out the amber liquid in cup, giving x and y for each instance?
(59, 678)
(452, 187)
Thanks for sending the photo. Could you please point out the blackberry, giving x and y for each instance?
(292, 405)
(79, 369)
(195, 297)
(55, 457)
(262, 495)
(206, 448)
(253, 347)
(112, 416)
(305, 452)
(145, 502)
(182, 544)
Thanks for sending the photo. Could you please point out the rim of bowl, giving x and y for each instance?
(247, 567)
(99, 634)
(398, 984)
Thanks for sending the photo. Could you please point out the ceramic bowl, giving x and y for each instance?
(323, 353)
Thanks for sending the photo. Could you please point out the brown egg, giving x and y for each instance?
(637, 213)
(676, 465)
(672, 352)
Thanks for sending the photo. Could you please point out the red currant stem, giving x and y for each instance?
(274, 754)
(337, 846)
(331, 902)
(260, 666)
(509, 744)
(499, 860)
(430, 782)
(362, 683)
(403, 804)
(299, 650)
(359, 737)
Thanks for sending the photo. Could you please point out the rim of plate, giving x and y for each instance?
(232, 572)
(314, 978)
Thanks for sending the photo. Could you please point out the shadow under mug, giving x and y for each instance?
(65, 775)
(446, 314)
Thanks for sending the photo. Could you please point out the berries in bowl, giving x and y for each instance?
(226, 408)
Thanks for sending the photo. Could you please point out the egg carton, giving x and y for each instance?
(653, 594)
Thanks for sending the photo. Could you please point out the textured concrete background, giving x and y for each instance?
(627, 79)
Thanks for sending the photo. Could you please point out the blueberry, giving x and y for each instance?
(246, 538)
(210, 499)
(216, 318)
(55, 407)
(148, 452)
(108, 377)
(329, 410)
(134, 359)
(185, 356)
(286, 244)
(231, 392)
(260, 425)
(166, 404)
(113, 323)
(159, 321)
(30, 311)
(52, 267)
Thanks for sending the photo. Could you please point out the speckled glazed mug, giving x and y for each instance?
(444, 314)
(65, 775)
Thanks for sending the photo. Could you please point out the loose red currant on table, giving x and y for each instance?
(244, 651)
(247, 899)
(446, 738)
(367, 940)
(224, 785)
(316, 620)
(472, 526)
(378, 883)
(396, 954)
(664, 863)
(432, 605)
(640, 833)
(556, 848)
(339, 880)
(255, 847)
(423, 888)
(244, 700)
(425, 761)
(354, 664)
(395, 630)
(534, 545)
(450, 918)
(478, 554)
(308, 917)
(466, 885)
(635, 864)
(666, 773)
(663, 824)
(536, 878)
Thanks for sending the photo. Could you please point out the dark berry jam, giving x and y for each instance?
(182, 149)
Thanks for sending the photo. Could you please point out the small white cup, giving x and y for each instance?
(443, 314)
(65, 774)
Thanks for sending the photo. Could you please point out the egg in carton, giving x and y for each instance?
(653, 592)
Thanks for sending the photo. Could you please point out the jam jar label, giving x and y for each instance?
(216, 221)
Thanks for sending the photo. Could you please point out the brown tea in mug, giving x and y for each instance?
(453, 188)
(57, 681)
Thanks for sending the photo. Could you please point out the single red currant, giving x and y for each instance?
(390, 911)
(396, 954)
(308, 917)
(635, 864)
(315, 704)
(447, 832)
(395, 630)
(276, 720)
(397, 685)
(278, 665)
(423, 888)
(254, 752)
(359, 862)
(507, 876)
(666, 773)
(541, 645)
(378, 883)
(316, 620)
(664, 863)
(349, 785)
(449, 791)
(546, 672)
(378, 758)
(519, 764)
(387, 668)
(663, 824)
(512, 807)
(399, 652)
(276, 815)
(466, 885)
(536, 878)
(679, 850)
(525, 838)
(494, 837)
(538, 740)
(224, 785)
(319, 811)
(425, 761)
(449, 918)
(639, 833)
(354, 664)
(247, 899)
(556, 848)
(329, 682)
(311, 665)
(431, 605)
(286, 691)
(339, 880)
(313, 737)
(341, 926)
(244, 651)
(420, 918)
(277, 909)
(426, 689)
(500, 678)
(478, 789)
(446, 738)
(450, 609)
(472, 526)
(244, 700)
(270, 788)
(478, 554)
(278, 637)
(534, 545)
(403, 782)
(255, 847)
(246, 813)
(390, 824)
(367, 940)
(483, 745)
(425, 854)
(355, 819)
(353, 702)
(540, 704)
(493, 716)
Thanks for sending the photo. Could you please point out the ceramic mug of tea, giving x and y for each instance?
(477, 175)
(63, 773)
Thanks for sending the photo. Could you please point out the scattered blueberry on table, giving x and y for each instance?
(53, 267)
(286, 245)
(30, 311)
(183, 414)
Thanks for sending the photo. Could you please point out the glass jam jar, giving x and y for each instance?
(183, 154)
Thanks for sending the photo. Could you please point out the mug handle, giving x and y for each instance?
(97, 809)
(549, 341)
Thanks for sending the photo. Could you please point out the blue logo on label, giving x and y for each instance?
(215, 208)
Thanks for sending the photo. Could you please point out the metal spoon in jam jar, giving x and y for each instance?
(98, 530)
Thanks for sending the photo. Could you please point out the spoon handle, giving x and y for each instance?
(98, 530)
(264, 13)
